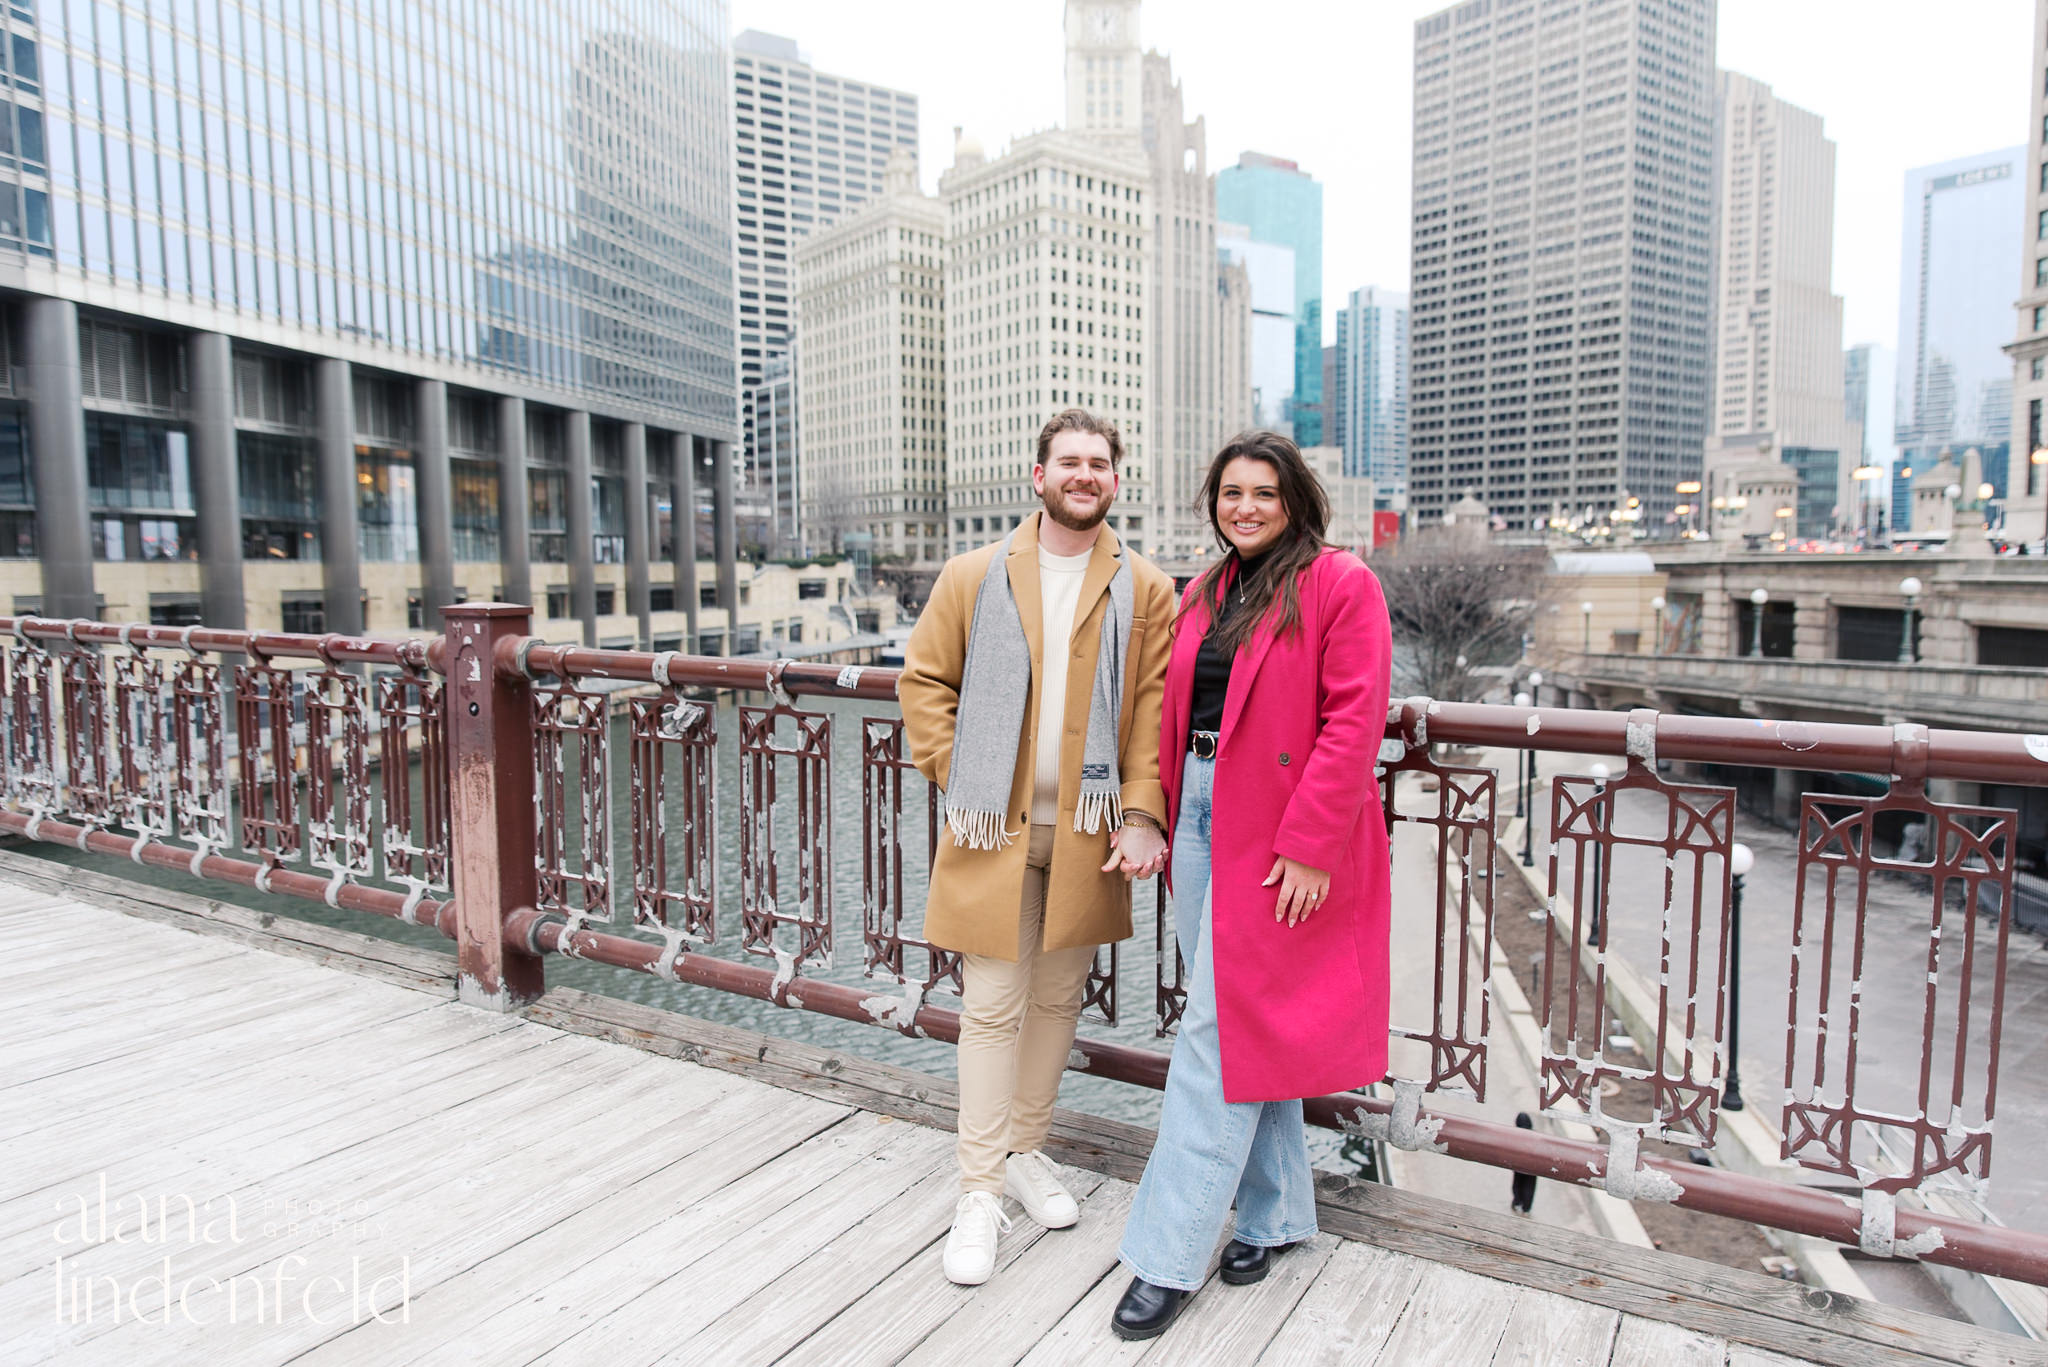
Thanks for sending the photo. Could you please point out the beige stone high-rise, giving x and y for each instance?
(1082, 270)
(2026, 504)
(871, 374)
(1777, 377)
(1047, 259)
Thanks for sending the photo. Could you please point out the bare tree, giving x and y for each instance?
(1458, 604)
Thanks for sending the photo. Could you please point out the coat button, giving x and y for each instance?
(1283, 757)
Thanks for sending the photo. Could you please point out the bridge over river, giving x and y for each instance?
(240, 1137)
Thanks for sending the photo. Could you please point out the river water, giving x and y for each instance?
(1135, 986)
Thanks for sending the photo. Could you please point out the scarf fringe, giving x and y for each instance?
(978, 830)
(1097, 808)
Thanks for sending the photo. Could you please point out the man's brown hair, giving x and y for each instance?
(1080, 420)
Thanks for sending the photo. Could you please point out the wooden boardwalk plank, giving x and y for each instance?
(561, 1199)
(716, 1147)
(441, 1228)
(998, 1321)
(1653, 1343)
(1229, 1325)
(1349, 1311)
(1453, 1319)
(705, 1287)
(161, 1147)
(1552, 1331)
(898, 1313)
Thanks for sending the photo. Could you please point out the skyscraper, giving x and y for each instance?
(810, 147)
(1279, 203)
(328, 325)
(1275, 326)
(1777, 380)
(1047, 261)
(871, 366)
(2026, 512)
(1562, 211)
(1868, 374)
(1962, 233)
(1368, 402)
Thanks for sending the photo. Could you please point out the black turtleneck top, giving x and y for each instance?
(1212, 666)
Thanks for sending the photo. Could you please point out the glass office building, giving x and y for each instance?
(398, 280)
(1366, 408)
(1963, 228)
(1280, 203)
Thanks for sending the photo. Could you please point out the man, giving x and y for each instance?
(1031, 693)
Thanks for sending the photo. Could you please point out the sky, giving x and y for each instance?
(1899, 83)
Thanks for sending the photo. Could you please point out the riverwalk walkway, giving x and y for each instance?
(270, 1142)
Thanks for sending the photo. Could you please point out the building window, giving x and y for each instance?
(173, 610)
(2013, 647)
(607, 600)
(661, 598)
(707, 595)
(558, 600)
(2041, 270)
(304, 614)
(548, 525)
(473, 494)
(608, 519)
(415, 611)
(280, 498)
(387, 507)
(136, 463)
(810, 588)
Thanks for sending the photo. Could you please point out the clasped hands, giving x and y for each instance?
(1137, 850)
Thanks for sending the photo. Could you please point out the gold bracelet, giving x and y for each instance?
(1143, 819)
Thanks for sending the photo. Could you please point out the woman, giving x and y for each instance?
(1276, 698)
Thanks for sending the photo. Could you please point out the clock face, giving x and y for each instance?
(1105, 25)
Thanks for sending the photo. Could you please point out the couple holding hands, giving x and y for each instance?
(1086, 730)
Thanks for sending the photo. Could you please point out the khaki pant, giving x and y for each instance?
(1016, 1030)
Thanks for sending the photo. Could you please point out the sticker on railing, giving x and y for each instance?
(2037, 746)
(849, 677)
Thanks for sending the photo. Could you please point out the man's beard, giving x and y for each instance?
(1059, 510)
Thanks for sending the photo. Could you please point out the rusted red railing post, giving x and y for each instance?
(490, 789)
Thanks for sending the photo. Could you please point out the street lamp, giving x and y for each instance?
(1910, 587)
(1757, 599)
(1657, 641)
(1863, 475)
(1529, 826)
(1586, 617)
(1523, 805)
(1600, 826)
(1740, 862)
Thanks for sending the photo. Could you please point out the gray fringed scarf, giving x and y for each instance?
(994, 687)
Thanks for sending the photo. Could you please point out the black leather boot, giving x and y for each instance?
(1245, 1263)
(1146, 1310)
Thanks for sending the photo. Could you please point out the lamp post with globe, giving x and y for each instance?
(1757, 599)
(1909, 587)
(1740, 861)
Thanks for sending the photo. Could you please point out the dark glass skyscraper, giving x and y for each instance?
(400, 267)
(1280, 203)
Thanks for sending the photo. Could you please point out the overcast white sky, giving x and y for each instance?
(1899, 82)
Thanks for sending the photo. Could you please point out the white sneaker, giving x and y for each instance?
(971, 1247)
(1035, 1182)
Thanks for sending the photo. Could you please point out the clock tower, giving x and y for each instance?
(1105, 76)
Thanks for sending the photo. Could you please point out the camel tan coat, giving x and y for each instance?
(974, 898)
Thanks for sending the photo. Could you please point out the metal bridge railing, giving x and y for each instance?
(466, 783)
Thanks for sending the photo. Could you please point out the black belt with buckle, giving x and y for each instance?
(1202, 744)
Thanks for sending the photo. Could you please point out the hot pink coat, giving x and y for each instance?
(1301, 1011)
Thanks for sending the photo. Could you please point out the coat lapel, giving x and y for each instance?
(1102, 568)
(1023, 569)
(1243, 670)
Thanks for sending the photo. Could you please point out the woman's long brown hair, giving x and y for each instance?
(1276, 592)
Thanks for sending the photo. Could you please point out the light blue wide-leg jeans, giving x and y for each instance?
(1211, 1151)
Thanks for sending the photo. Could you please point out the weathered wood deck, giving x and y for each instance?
(543, 1196)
